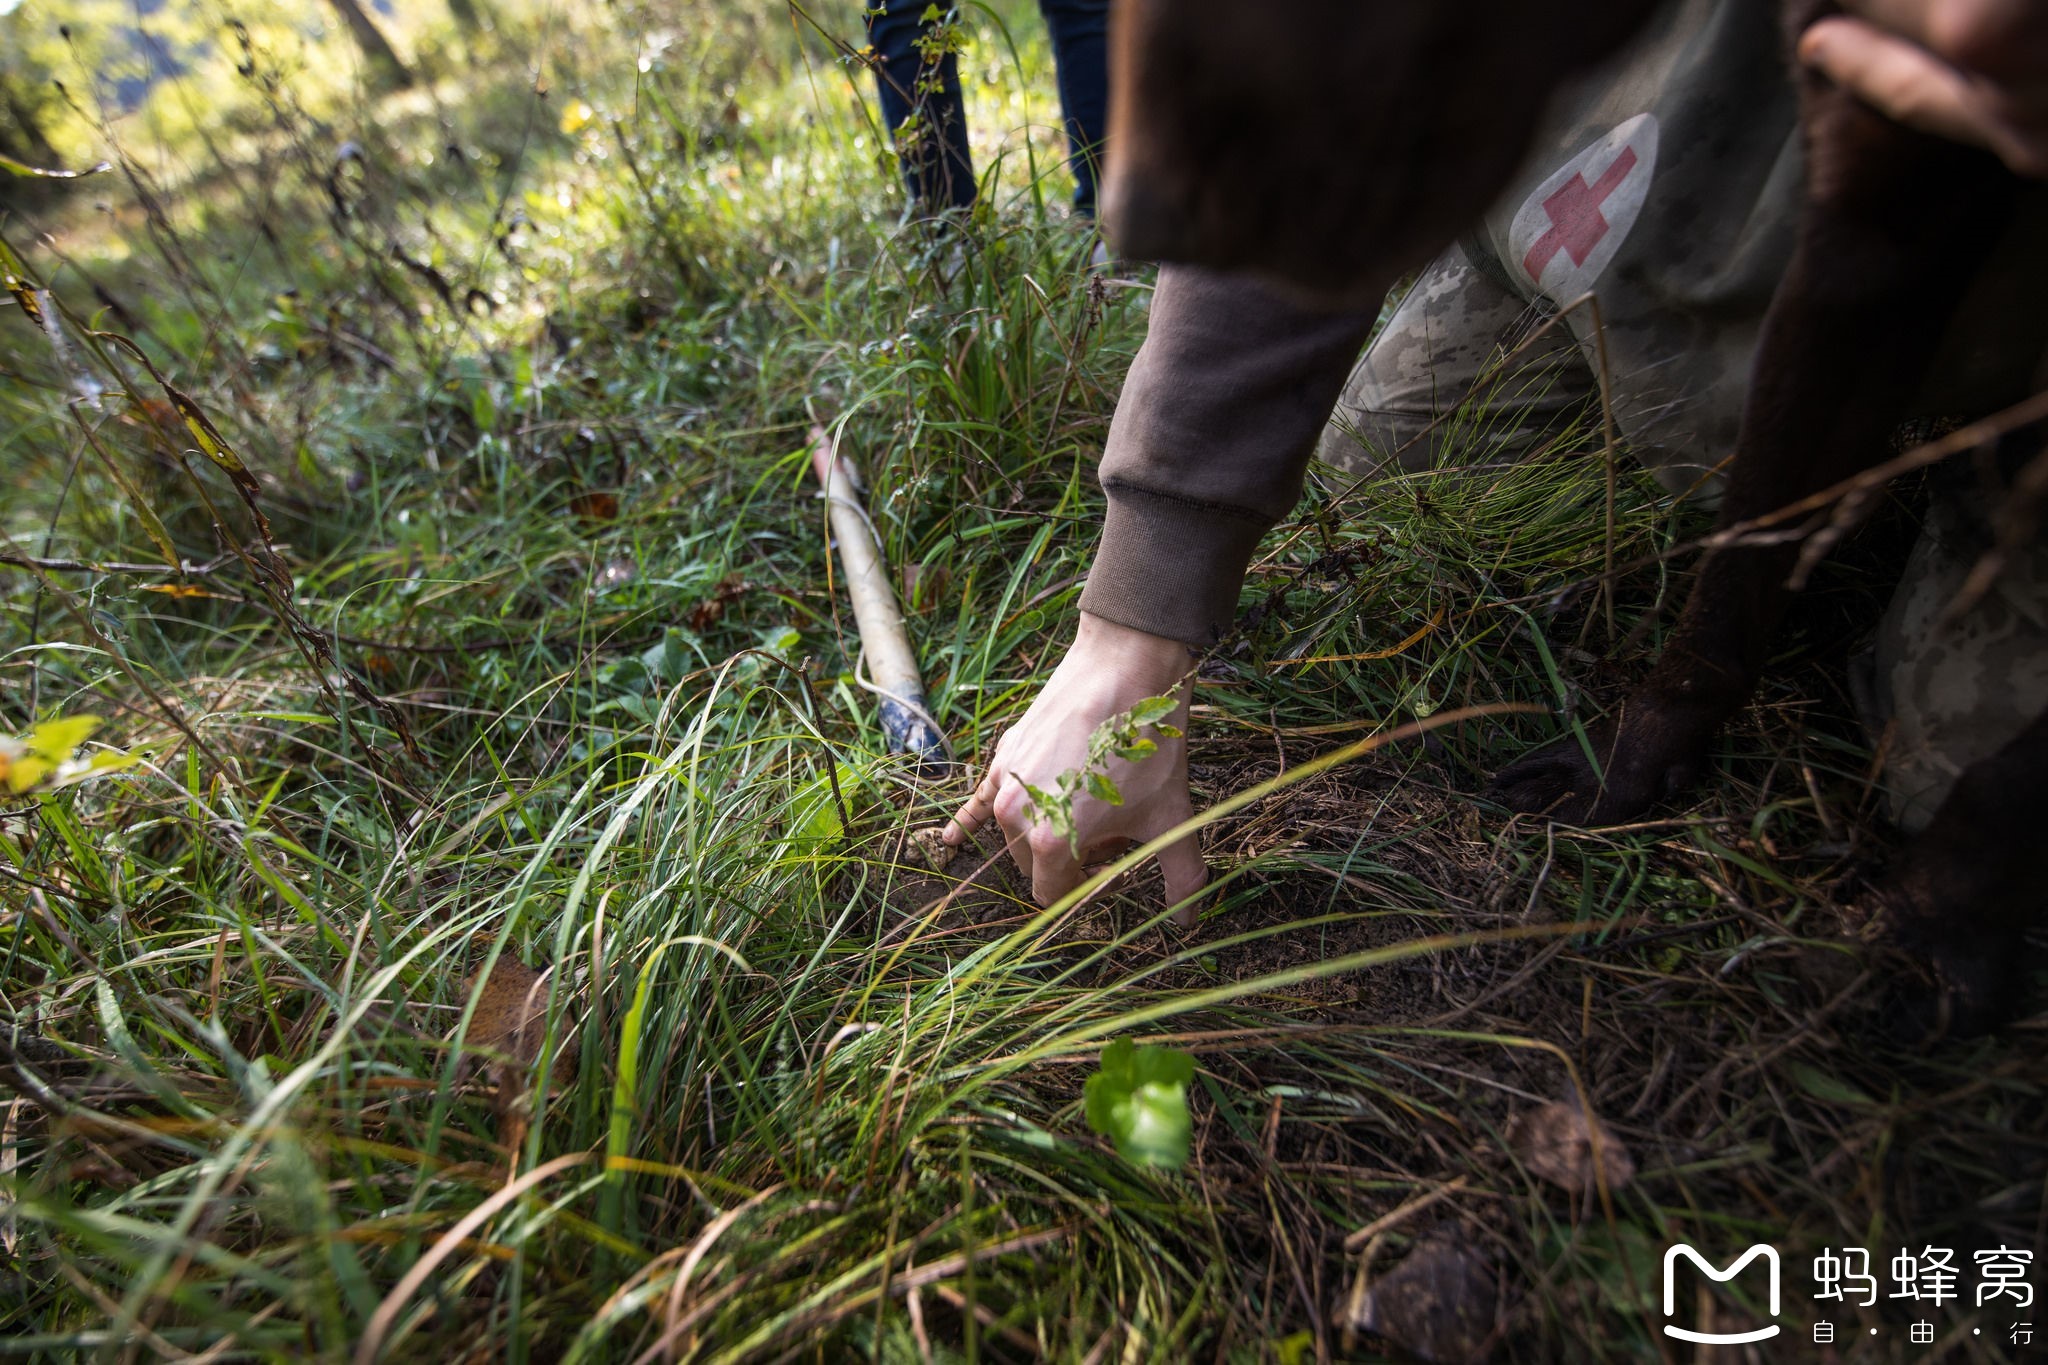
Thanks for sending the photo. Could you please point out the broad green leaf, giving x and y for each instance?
(1139, 1099)
(1104, 790)
(1151, 1126)
(1163, 1066)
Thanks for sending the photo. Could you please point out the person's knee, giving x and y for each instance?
(1362, 439)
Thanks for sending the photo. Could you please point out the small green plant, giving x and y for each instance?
(1121, 736)
(1139, 1099)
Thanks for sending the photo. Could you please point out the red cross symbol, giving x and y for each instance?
(1576, 223)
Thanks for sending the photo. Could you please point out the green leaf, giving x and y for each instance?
(1055, 808)
(815, 812)
(1104, 790)
(1822, 1086)
(1152, 710)
(1136, 749)
(1163, 1066)
(1139, 1099)
(1111, 1080)
(1152, 1126)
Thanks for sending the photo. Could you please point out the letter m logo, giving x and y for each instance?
(1671, 1255)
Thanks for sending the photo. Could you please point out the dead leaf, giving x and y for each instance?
(595, 506)
(711, 610)
(511, 1021)
(1441, 1304)
(1558, 1142)
(160, 421)
(925, 585)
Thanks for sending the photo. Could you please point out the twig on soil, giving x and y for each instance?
(1403, 1213)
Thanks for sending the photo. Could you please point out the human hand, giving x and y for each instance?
(1972, 70)
(1107, 670)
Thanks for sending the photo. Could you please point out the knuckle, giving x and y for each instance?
(1046, 842)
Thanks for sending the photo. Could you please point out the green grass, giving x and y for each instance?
(818, 1103)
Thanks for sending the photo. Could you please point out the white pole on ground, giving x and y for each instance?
(885, 646)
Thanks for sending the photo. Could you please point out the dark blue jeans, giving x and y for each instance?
(937, 167)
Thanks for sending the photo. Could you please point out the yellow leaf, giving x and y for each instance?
(24, 773)
(183, 590)
(56, 740)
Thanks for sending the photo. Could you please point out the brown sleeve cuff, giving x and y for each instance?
(1203, 549)
(1219, 414)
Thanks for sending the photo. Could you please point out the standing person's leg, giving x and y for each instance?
(1080, 54)
(936, 165)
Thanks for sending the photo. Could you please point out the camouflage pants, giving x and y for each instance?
(1942, 694)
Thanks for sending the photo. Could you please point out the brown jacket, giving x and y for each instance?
(1226, 400)
(1208, 447)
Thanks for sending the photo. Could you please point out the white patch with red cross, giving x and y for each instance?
(1570, 226)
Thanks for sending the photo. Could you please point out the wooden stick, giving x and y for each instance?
(906, 725)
